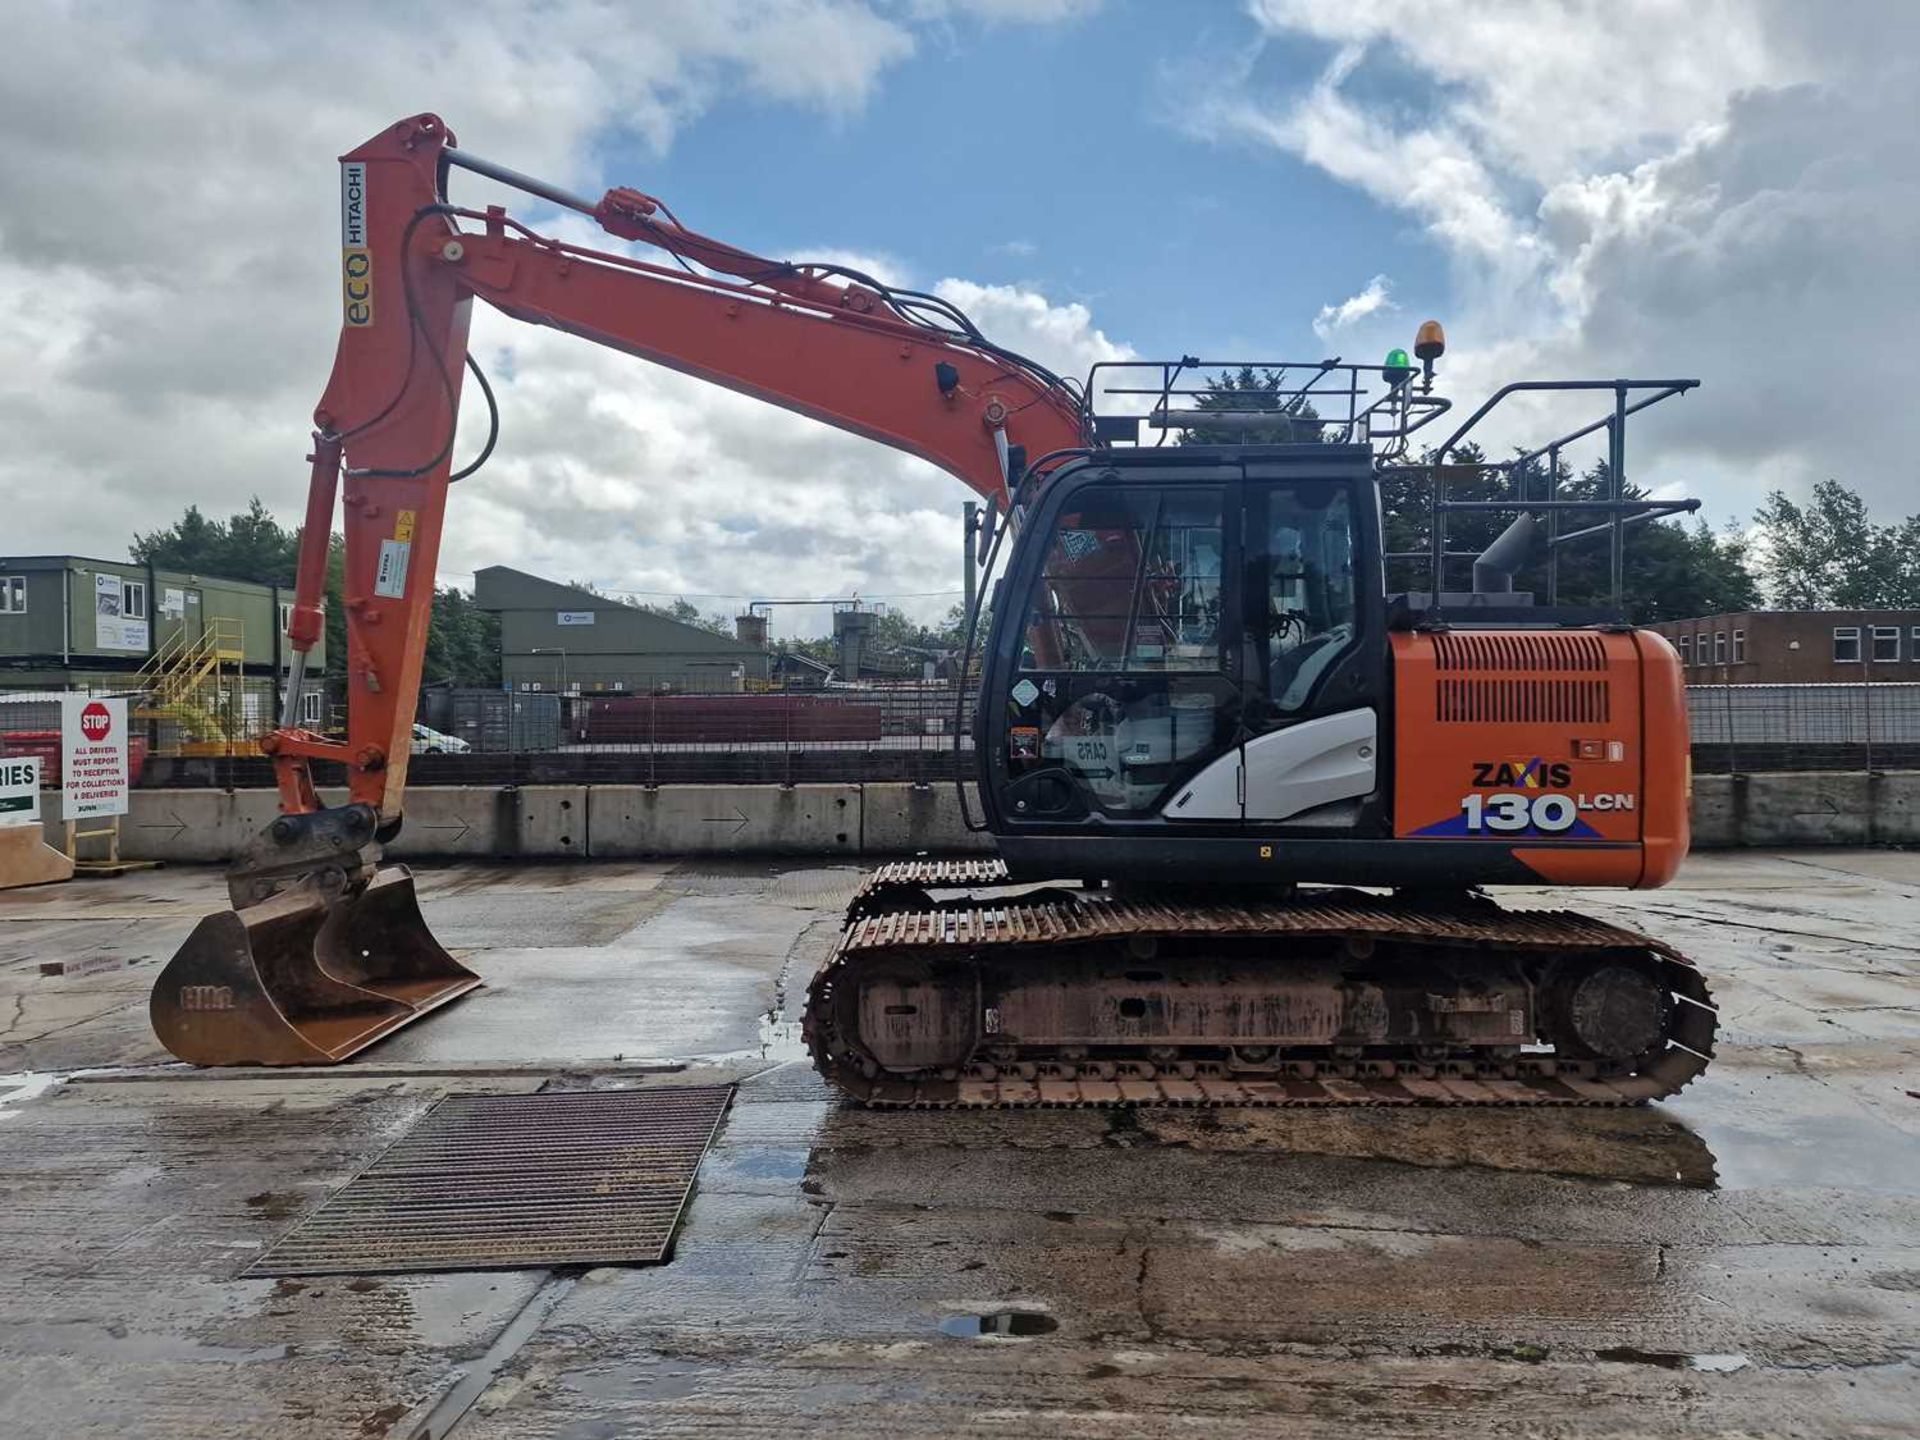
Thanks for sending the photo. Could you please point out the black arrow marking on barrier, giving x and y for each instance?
(739, 822)
(463, 828)
(177, 827)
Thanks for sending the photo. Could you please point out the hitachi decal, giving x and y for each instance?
(353, 204)
(356, 261)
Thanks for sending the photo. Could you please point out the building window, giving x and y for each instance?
(310, 707)
(13, 594)
(1720, 647)
(1913, 643)
(619, 684)
(133, 600)
(1686, 650)
(1886, 642)
(286, 617)
(1739, 647)
(1846, 644)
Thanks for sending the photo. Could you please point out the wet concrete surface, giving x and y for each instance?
(1742, 1260)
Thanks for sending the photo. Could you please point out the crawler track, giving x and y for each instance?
(901, 941)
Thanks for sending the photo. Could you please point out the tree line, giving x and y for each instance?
(463, 641)
(1824, 552)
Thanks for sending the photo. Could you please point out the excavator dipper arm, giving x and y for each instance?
(325, 950)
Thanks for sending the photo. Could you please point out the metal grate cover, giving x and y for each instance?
(513, 1182)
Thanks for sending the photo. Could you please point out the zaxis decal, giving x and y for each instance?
(1531, 773)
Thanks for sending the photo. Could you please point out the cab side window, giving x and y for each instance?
(1311, 618)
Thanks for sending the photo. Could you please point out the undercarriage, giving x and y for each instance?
(952, 987)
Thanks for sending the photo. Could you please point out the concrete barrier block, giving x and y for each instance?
(1896, 808)
(1809, 808)
(628, 820)
(1714, 824)
(452, 822)
(900, 819)
(181, 826)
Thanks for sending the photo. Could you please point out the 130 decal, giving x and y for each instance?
(1509, 812)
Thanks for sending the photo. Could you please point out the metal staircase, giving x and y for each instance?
(192, 687)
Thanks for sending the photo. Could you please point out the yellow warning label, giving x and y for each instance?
(403, 525)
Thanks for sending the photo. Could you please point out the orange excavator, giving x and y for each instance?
(1246, 801)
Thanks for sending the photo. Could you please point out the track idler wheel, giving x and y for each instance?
(1614, 1011)
(305, 977)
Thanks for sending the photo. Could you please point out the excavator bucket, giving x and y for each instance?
(304, 978)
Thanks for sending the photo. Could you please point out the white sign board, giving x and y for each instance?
(19, 790)
(173, 602)
(573, 617)
(112, 630)
(93, 757)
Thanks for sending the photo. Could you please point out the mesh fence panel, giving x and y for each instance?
(906, 731)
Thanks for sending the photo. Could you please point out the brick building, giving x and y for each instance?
(1798, 647)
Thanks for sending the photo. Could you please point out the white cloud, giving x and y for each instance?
(1721, 188)
(167, 206)
(1373, 300)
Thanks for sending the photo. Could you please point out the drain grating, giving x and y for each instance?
(512, 1182)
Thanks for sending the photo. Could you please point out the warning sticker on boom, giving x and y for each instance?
(390, 580)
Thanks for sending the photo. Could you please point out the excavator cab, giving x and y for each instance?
(1193, 639)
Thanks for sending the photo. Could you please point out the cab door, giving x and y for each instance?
(1311, 662)
(1315, 671)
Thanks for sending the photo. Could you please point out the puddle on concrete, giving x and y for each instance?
(762, 1163)
(999, 1322)
(1758, 1148)
(780, 1042)
(1673, 1359)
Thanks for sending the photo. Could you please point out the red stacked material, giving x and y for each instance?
(737, 719)
(46, 744)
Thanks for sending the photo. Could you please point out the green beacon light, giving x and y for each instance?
(1399, 368)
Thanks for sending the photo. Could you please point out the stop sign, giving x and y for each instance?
(95, 721)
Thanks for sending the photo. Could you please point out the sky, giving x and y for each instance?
(1721, 189)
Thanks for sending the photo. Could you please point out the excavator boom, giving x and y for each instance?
(325, 950)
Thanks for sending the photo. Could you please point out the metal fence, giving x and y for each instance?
(1751, 728)
(905, 731)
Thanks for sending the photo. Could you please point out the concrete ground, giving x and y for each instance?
(1744, 1260)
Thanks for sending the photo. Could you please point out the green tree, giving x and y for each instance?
(1828, 553)
(1673, 570)
(251, 545)
(463, 643)
(687, 613)
(1250, 389)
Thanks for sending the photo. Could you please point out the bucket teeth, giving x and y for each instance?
(305, 979)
